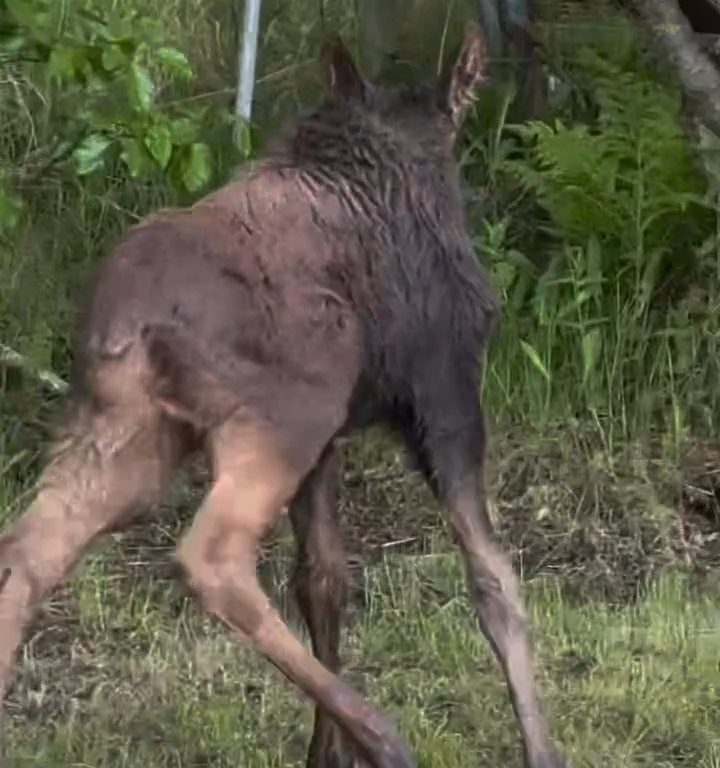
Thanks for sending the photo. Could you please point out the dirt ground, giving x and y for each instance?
(562, 504)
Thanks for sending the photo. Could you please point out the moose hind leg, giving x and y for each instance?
(107, 466)
(253, 478)
(453, 461)
(495, 595)
(320, 582)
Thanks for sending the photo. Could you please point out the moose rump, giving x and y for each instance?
(231, 305)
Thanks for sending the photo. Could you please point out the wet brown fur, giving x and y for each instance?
(330, 287)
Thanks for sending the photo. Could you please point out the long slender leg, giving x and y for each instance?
(453, 460)
(320, 582)
(107, 467)
(253, 478)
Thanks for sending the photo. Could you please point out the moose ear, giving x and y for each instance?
(342, 78)
(467, 74)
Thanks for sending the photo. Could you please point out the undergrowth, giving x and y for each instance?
(602, 233)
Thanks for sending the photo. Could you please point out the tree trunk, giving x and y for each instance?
(698, 76)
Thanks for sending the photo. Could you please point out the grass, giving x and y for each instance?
(121, 669)
(142, 684)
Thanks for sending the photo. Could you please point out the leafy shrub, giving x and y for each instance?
(95, 127)
(98, 81)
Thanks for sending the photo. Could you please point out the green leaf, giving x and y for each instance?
(40, 24)
(591, 346)
(119, 29)
(504, 274)
(243, 138)
(141, 87)
(174, 61)
(183, 130)
(138, 160)
(88, 155)
(28, 15)
(159, 143)
(530, 351)
(113, 58)
(196, 166)
(70, 61)
(61, 62)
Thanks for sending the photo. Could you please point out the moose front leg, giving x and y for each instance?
(453, 461)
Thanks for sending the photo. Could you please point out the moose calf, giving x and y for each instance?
(331, 286)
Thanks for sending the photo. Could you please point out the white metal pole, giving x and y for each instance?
(247, 58)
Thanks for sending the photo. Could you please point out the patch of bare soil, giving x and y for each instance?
(561, 503)
(607, 523)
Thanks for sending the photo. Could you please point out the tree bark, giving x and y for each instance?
(699, 78)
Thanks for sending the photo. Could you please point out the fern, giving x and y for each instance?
(627, 178)
(618, 189)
